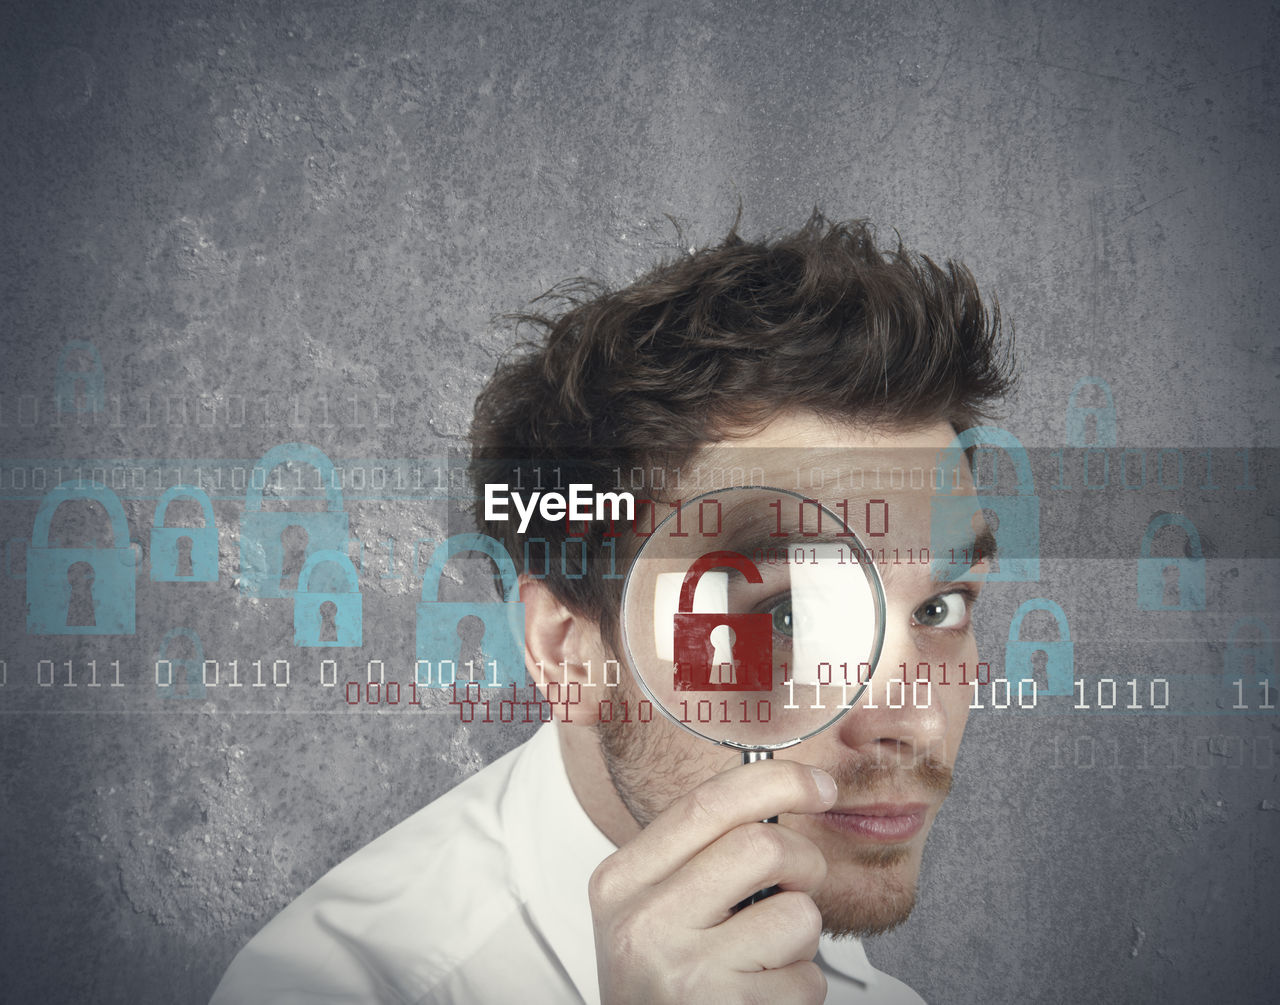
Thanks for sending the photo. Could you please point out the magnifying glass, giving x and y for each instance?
(753, 617)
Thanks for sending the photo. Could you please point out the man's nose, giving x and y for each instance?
(903, 713)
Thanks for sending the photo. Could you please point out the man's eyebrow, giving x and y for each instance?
(756, 541)
(981, 547)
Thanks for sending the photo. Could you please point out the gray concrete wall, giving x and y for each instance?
(295, 221)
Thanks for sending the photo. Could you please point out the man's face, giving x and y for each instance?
(893, 764)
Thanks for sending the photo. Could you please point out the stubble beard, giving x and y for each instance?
(882, 892)
(641, 774)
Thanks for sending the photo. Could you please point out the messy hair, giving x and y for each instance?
(720, 339)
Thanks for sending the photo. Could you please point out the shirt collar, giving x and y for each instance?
(846, 956)
(554, 849)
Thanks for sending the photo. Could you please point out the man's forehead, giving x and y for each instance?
(821, 448)
(884, 481)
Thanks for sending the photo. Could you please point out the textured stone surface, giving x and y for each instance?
(296, 221)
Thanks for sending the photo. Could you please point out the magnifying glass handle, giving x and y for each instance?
(750, 757)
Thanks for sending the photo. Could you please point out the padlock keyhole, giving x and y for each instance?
(293, 543)
(724, 668)
(328, 621)
(1172, 593)
(471, 631)
(185, 544)
(80, 612)
(1040, 667)
(187, 671)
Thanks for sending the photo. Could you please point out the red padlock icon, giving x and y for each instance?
(749, 641)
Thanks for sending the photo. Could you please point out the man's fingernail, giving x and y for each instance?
(826, 785)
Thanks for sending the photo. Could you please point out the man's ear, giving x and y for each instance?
(560, 650)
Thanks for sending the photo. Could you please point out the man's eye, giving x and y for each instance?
(947, 610)
(781, 614)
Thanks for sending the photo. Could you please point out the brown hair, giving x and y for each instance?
(721, 338)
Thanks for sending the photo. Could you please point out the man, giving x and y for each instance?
(607, 860)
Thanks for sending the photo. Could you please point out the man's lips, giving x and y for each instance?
(887, 822)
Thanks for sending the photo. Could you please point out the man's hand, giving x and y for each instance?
(663, 903)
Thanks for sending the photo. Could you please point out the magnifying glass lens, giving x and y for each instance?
(759, 628)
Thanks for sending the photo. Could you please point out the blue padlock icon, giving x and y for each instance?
(956, 519)
(185, 677)
(169, 543)
(343, 619)
(1060, 660)
(1091, 425)
(1251, 663)
(81, 591)
(438, 640)
(79, 390)
(1180, 575)
(262, 550)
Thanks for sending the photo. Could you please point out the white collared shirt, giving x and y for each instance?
(479, 897)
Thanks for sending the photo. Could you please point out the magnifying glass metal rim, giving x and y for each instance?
(877, 593)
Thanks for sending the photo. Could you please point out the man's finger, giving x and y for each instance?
(800, 983)
(749, 792)
(702, 892)
(771, 933)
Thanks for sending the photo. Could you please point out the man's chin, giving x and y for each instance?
(869, 891)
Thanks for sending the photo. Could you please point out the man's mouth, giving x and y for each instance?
(887, 822)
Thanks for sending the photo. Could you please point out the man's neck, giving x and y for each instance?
(591, 784)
